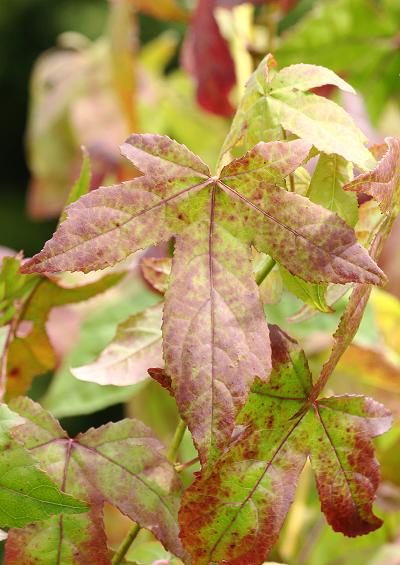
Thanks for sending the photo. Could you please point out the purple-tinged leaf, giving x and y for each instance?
(119, 463)
(105, 226)
(233, 514)
(215, 334)
(162, 378)
(135, 347)
(307, 239)
(383, 183)
(161, 157)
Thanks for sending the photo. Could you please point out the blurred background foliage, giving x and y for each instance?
(89, 72)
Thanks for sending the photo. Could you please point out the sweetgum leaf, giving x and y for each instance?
(309, 293)
(135, 347)
(31, 353)
(273, 101)
(82, 184)
(120, 463)
(233, 514)
(27, 494)
(383, 183)
(212, 311)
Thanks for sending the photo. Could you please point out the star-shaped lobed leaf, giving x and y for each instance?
(120, 463)
(233, 514)
(275, 100)
(27, 494)
(215, 334)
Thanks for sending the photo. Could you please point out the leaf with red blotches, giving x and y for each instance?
(120, 463)
(233, 513)
(30, 352)
(277, 101)
(135, 347)
(157, 271)
(215, 334)
(383, 183)
(207, 58)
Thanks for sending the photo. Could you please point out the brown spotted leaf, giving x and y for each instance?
(120, 463)
(215, 334)
(135, 347)
(233, 514)
(383, 183)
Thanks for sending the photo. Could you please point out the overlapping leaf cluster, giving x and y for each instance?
(249, 400)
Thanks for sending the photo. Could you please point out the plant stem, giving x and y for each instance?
(176, 441)
(125, 545)
(132, 534)
(182, 466)
(265, 269)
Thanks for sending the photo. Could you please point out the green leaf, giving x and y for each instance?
(234, 512)
(120, 463)
(82, 184)
(27, 494)
(309, 293)
(352, 37)
(135, 347)
(326, 188)
(13, 286)
(273, 101)
(67, 396)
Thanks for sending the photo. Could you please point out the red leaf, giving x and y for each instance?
(206, 57)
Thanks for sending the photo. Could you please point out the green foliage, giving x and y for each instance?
(253, 293)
